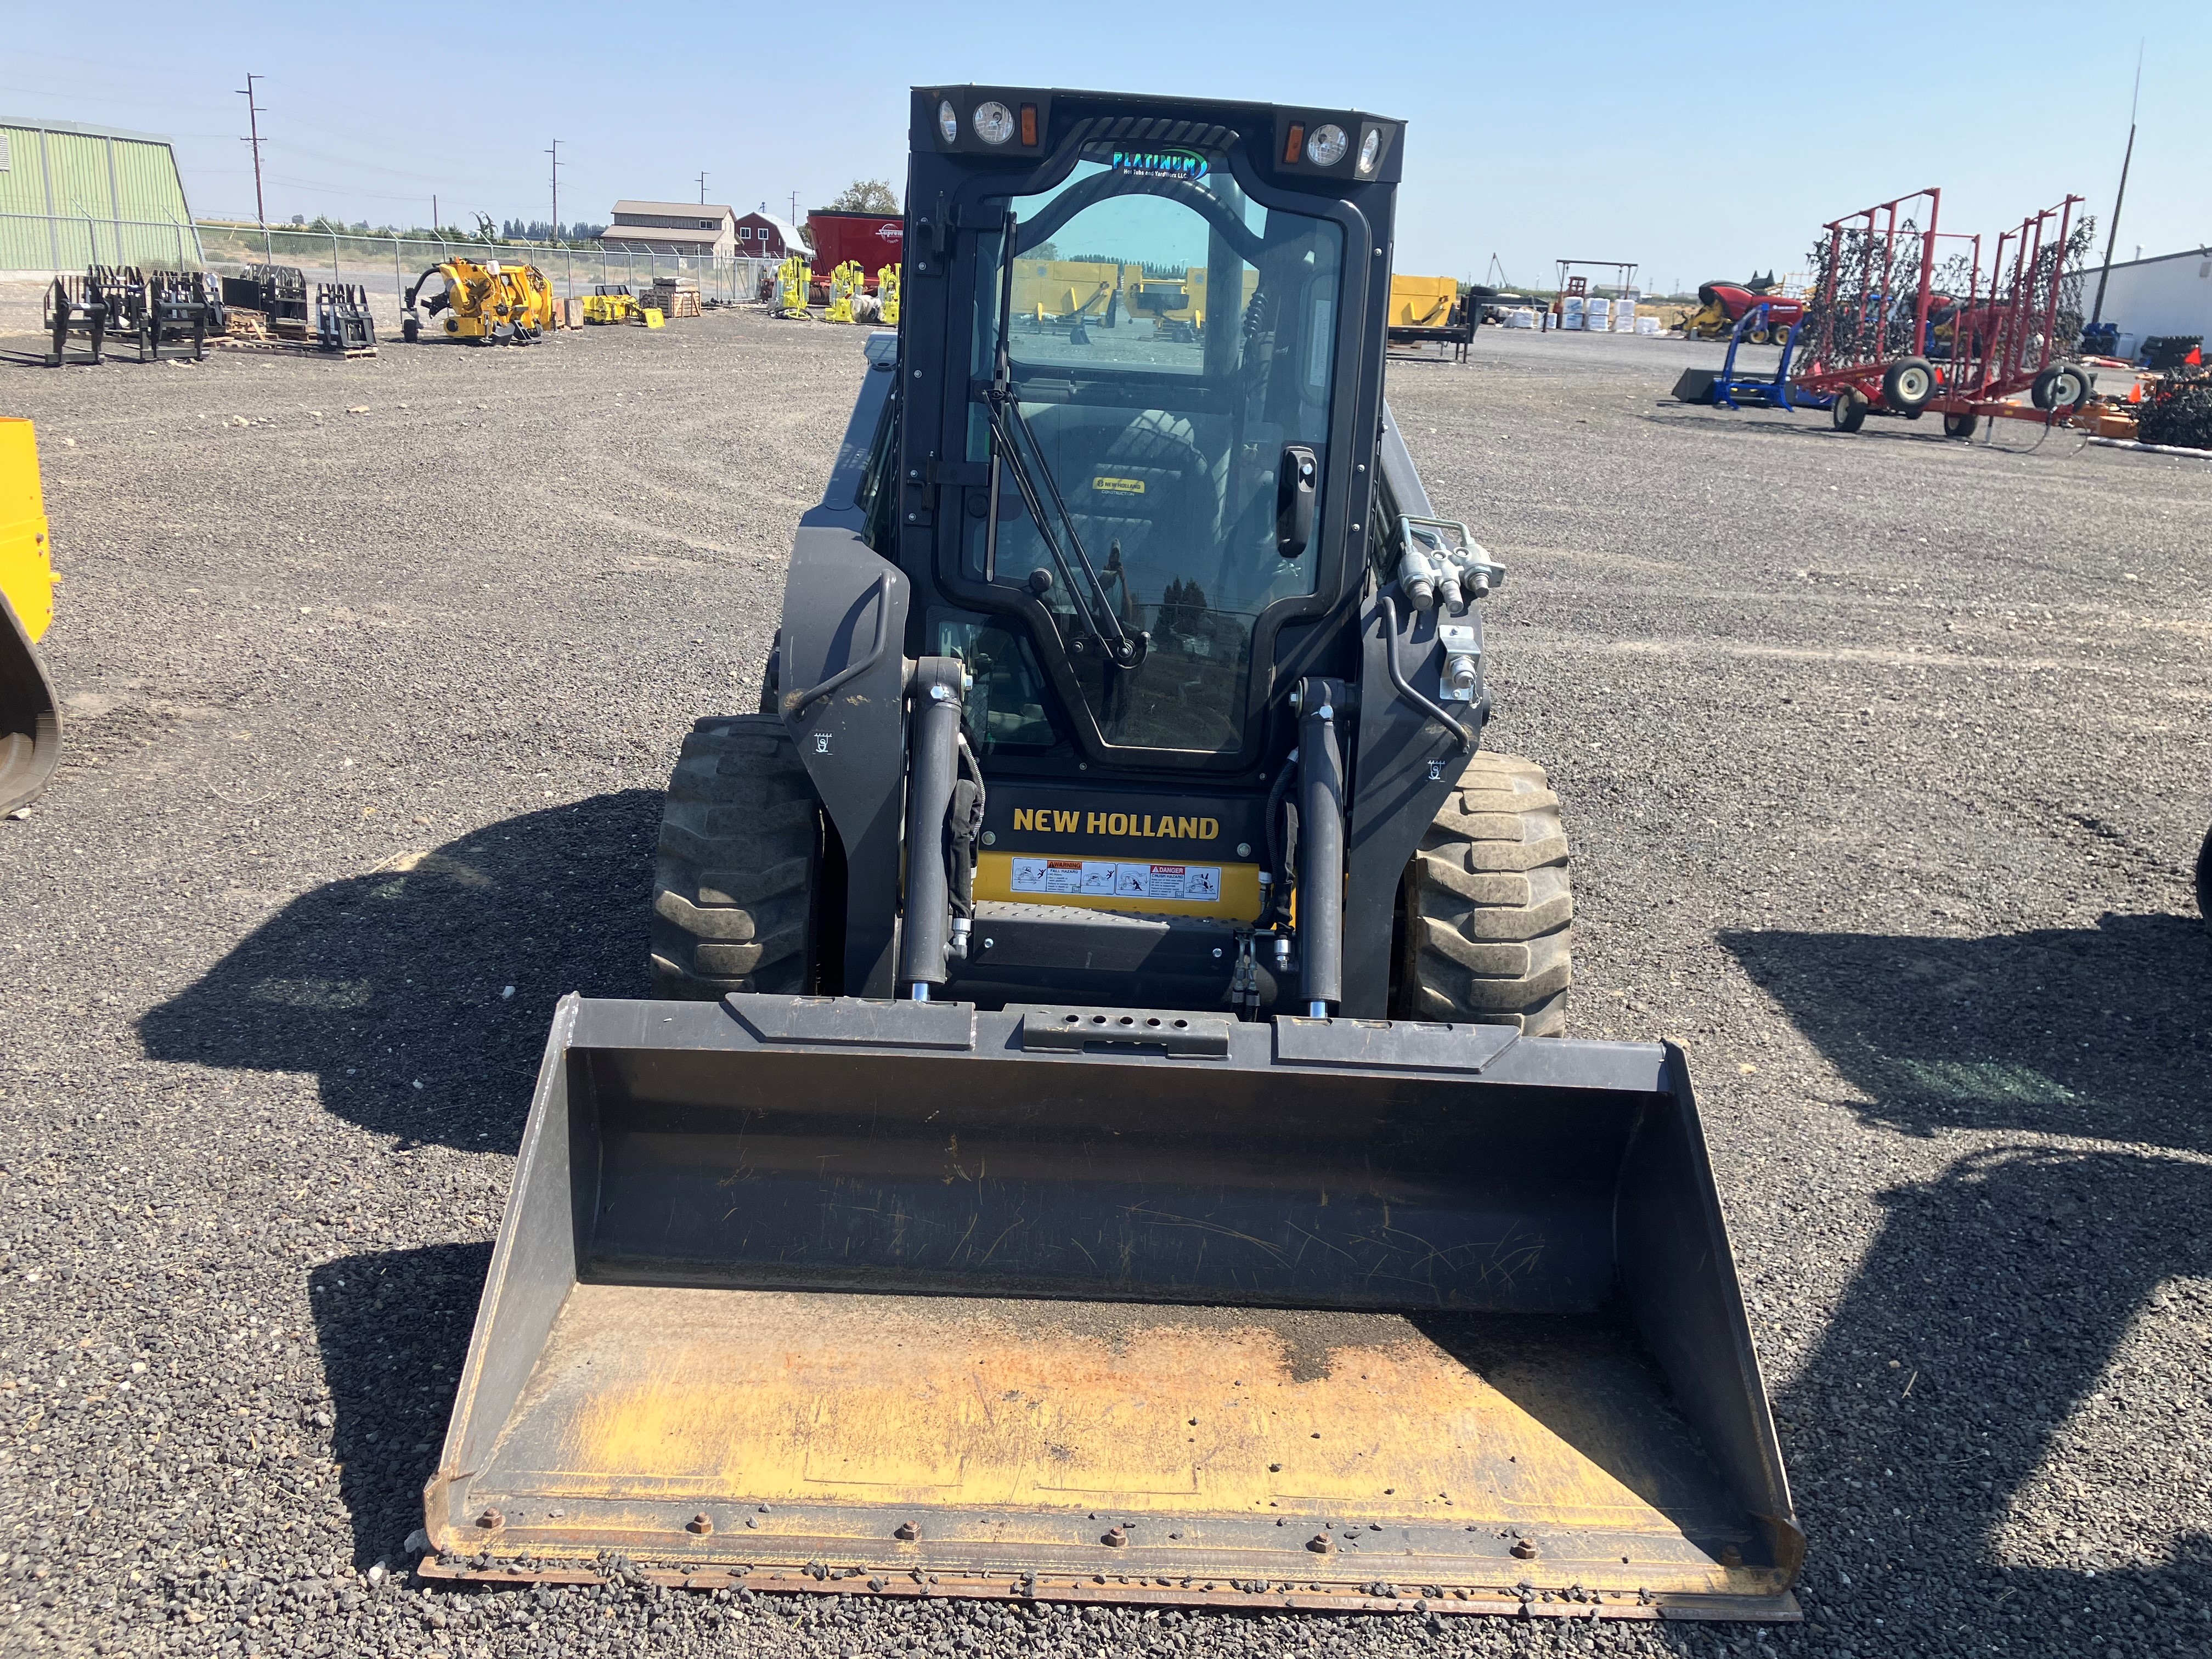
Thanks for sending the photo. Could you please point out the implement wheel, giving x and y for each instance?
(740, 861)
(1488, 905)
(1907, 386)
(1960, 426)
(1848, 412)
(2061, 386)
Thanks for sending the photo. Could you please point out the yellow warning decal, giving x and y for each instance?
(1119, 486)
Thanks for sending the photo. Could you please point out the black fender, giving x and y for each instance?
(840, 683)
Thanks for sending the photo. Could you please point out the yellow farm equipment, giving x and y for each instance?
(794, 285)
(1421, 301)
(887, 295)
(30, 714)
(610, 302)
(488, 304)
(845, 282)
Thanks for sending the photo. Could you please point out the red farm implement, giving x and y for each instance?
(2010, 331)
(1861, 344)
(1888, 332)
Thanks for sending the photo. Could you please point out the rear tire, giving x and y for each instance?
(1489, 905)
(739, 863)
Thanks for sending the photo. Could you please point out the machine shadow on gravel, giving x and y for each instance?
(389, 986)
(2100, 1032)
(1991, 1305)
(1984, 1319)
(393, 1330)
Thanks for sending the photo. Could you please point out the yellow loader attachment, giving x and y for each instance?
(30, 714)
(909, 1299)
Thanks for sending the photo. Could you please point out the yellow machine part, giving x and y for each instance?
(1709, 323)
(1085, 885)
(1194, 310)
(1059, 288)
(794, 285)
(30, 712)
(845, 282)
(26, 569)
(609, 308)
(651, 318)
(887, 291)
(1421, 301)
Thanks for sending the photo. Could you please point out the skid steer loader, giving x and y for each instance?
(1103, 1133)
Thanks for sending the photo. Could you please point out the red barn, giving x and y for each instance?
(764, 236)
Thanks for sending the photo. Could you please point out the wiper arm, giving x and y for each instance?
(1007, 420)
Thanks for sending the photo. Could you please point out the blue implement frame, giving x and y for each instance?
(1734, 391)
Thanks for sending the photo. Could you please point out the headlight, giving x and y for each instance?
(1326, 146)
(993, 122)
(948, 121)
(1371, 150)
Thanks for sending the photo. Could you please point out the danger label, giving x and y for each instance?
(1107, 878)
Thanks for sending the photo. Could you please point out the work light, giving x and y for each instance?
(993, 122)
(1371, 150)
(948, 121)
(1326, 146)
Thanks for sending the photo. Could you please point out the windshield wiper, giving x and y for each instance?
(1005, 409)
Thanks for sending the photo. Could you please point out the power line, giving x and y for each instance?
(254, 126)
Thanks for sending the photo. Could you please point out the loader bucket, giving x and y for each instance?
(906, 1299)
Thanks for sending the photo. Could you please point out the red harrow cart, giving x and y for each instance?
(1863, 340)
(2009, 332)
(1887, 332)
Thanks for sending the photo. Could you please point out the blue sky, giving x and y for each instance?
(1582, 130)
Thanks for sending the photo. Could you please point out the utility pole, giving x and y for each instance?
(794, 207)
(703, 190)
(555, 153)
(2097, 312)
(254, 126)
(433, 211)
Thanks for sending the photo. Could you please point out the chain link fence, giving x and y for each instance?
(389, 265)
(36, 247)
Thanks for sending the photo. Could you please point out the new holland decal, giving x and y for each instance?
(1133, 825)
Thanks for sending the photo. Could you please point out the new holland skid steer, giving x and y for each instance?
(1103, 1132)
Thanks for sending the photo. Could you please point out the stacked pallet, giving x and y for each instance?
(674, 296)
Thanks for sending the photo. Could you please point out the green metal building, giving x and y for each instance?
(74, 196)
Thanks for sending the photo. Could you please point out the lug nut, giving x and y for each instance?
(1114, 1538)
(701, 1524)
(1321, 1543)
(906, 1532)
(1525, 1548)
(491, 1519)
(1731, 1556)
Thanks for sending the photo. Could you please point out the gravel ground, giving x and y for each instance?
(1885, 760)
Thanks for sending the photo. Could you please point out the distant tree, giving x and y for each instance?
(865, 196)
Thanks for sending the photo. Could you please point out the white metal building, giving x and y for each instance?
(2170, 293)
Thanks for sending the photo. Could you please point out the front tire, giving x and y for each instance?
(739, 864)
(1489, 906)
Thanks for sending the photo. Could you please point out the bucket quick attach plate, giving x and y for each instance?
(1260, 1325)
